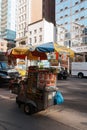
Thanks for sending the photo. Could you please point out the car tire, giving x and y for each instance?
(80, 75)
(65, 77)
(28, 109)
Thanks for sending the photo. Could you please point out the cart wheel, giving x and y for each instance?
(28, 109)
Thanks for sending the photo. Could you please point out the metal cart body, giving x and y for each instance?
(38, 94)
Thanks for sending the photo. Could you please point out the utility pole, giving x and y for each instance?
(70, 38)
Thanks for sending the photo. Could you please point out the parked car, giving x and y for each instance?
(4, 79)
(62, 73)
(11, 72)
(22, 72)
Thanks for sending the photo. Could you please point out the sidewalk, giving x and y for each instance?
(68, 117)
(6, 94)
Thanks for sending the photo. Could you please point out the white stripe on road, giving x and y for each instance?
(10, 97)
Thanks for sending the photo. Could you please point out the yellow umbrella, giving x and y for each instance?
(71, 52)
(22, 52)
(63, 49)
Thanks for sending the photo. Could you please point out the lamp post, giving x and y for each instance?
(69, 58)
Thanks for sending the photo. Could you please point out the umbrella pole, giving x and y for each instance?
(68, 65)
(26, 61)
(39, 61)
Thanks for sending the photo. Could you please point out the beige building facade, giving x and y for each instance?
(3, 45)
(35, 11)
(21, 22)
(41, 21)
(35, 21)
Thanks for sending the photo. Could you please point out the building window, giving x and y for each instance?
(40, 29)
(76, 19)
(82, 9)
(22, 9)
(66, 7)
(82, 0)
(35, 31)
(76, 11)
(66, 15)
(19, 19)
(76, 3)
(82, 17)
(19, 10)
(30, 40)
(61, 9)
(22, 42)
(22, 25)
(35, 39)
(30, 32)
(61, 0)
(82, 26)
(22, 17)
(66, 22)
(61, 17)
(40, 38)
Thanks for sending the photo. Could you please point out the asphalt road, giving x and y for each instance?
(71, 115)
(75, 93)
(11, 118)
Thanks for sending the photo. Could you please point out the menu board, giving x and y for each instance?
(40, 79)
(46, 79)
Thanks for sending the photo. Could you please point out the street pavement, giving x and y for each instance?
(69, 117)
(59, 113)
(5, 93)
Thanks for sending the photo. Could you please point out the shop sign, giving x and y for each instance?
(79, 49)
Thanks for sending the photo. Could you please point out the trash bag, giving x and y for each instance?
(58, 98)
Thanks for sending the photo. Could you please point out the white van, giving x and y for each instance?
(79, 69)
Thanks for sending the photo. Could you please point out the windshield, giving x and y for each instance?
(4, 65)
(23, 67)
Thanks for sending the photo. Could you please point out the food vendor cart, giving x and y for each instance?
(38, 93)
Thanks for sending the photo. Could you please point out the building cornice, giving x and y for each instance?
(21, 39)
(35, 22)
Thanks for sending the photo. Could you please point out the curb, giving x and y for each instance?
(8, 97)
